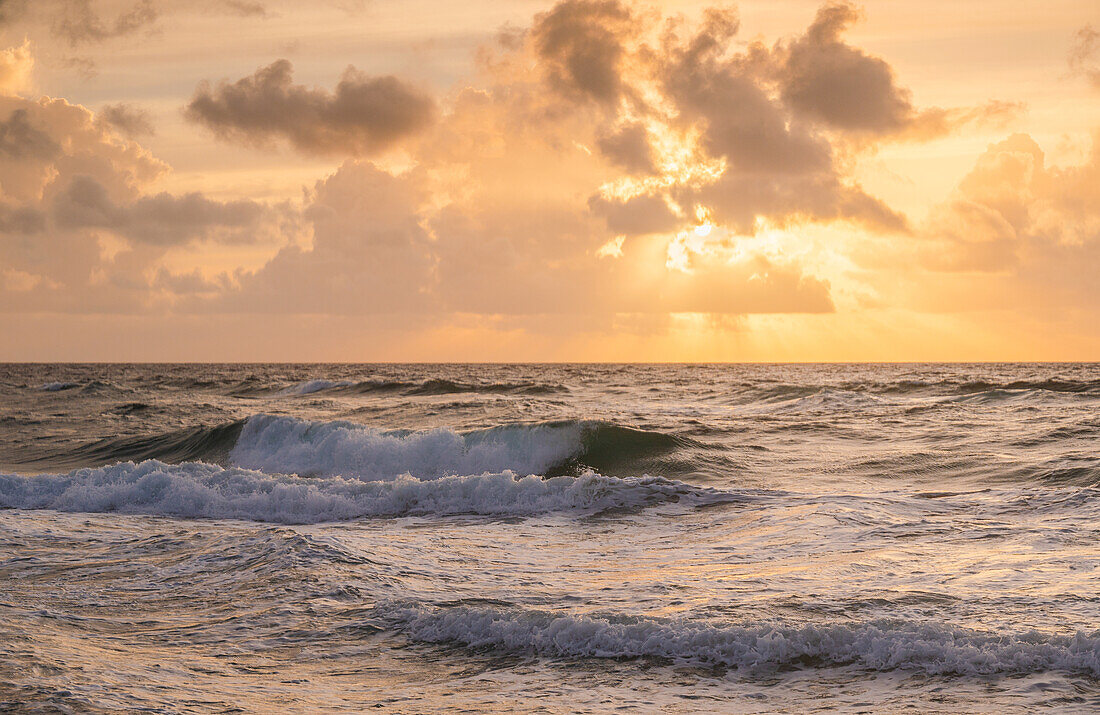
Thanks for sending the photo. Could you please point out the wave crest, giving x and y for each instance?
(199, 490)
(292, 446)
(434, 386)
(881, 646)
(58, 386)
(192, 443)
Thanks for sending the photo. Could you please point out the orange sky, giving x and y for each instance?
(588, 180)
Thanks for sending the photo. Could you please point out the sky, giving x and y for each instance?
(591, 180)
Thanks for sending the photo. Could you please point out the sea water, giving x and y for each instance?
(549, 538)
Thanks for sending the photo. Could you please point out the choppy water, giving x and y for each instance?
(573, 538)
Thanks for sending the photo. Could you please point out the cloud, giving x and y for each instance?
(19, 139)
(81, 232)
(637, 215)
(246, 8)
(606, 166)
(777, 165)
(1016, 234)
(162, 219)
(21, 220)
(364, 115)
(11, 10)
(126, 120)
(682, 124)
(753, 285)
(85, 67)
(380, 247)
(44, 143)
(845, 88)
(628, 147)
(581, 47)
(370, 253)
(1084, 57)
(827, 81)
(16, 65)
(77, 21)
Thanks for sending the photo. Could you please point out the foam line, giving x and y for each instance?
(198, 490)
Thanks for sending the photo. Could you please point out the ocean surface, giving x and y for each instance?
(550, 538)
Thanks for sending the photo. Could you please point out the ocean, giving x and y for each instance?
(549, 538)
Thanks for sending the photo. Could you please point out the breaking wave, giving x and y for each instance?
(308, 388)
(291, 446)
(930, 648)
(286, 445)
(199, 490)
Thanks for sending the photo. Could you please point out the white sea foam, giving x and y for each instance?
(58, 386)
(199, 490)
(290, 446)
(931, 648)
(307, 388)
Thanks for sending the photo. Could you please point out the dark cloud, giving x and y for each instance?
(19, 139)
(11, 10)
(1084, 57)
(841, 85)
(126, 119)
(636, 216)
(165, 219)
(78, 22)
(778, 166)
(737, 199)
(740, 121)
(21, 219)
(580, 43)
(83, 66)
(159, 220)
(364, 115)
(246, 8)
(628, 147)
(824, 80)
(85, 203)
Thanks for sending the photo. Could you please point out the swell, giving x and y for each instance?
(199, 490)
(1047, 385)
(784, 392)
(211, 444)
(254, 386)
(93, 387)
(930, 648)
(435, 386)
(287, 445)
(447, 387)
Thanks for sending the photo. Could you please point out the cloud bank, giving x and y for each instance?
(606, 164)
